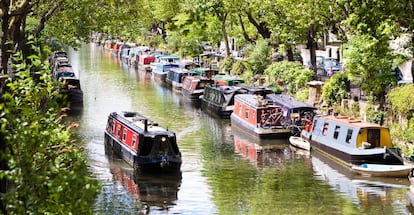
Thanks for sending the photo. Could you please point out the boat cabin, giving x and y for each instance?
(205, 72)
(296, 112)
(255, 113)
(227, 80)
(352, 133)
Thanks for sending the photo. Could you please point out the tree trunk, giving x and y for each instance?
(261, 27)
(312, 47)
(5, 5)
(224, 32)
(289, 53)
(244, 33)
(412, 60)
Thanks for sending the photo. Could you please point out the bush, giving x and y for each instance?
(47, 169)
(292, 74)
(336, 89)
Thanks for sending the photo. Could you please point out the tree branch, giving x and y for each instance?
(46, 16)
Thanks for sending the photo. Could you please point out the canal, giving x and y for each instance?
(223, 170)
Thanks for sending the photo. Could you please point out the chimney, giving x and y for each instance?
(145, 125)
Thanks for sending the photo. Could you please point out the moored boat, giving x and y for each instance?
(351, 141)
(72, 91)
(160, 68)
(175, 77)
(259, 117)
(193, 87)
(204, 72)
(141, 142)
(381, 170)
(299, 142)
(145, 61)
(227, 80)
(298, 114)
(219, 100)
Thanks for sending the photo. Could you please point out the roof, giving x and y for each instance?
(351, 122)
(288, 101)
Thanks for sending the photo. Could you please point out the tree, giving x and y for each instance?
(336, 89)
(46, 170)
(370, 61)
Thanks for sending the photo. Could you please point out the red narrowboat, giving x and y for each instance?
(144, 61)
(142, 143)
(259, 117)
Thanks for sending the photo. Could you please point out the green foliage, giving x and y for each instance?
(371, 61)
(47, 170)
(401, 100)
(238, 67)
(292, 74)
(259, 57)
(226, 65)
(336, 89)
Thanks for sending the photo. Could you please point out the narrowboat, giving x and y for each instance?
(297, 113)
(71, 89)
(204, 72)
(219, 100)
(145, 61)
(227, 80)
(142, 143)
(175, 77)
(193, 87)
(259, 117)
(160, 68)
(352, 141)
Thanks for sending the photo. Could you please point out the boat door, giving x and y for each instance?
(373, 137)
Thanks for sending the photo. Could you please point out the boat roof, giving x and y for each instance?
(255, 89)
(288, 101)
(254, 100)
(350, 121)
(136, 119)
(179, 70)
(165, 57)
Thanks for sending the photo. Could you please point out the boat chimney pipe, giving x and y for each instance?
(145, 125)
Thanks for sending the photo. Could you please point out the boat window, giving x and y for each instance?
(240, 109)
(134, 140)
(125, 134)
(325, 129)
(336, 132)
(348, 135)
(247, 113)
(119, 131)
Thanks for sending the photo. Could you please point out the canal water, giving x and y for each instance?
(224, 171)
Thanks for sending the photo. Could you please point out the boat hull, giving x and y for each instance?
(262, 133)
(299, 142)
(150, 163)
(216, 110)
(356, 159)
(383, 170)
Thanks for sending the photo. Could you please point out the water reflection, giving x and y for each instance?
(374, 194)
(261, 153)
(153, 191)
